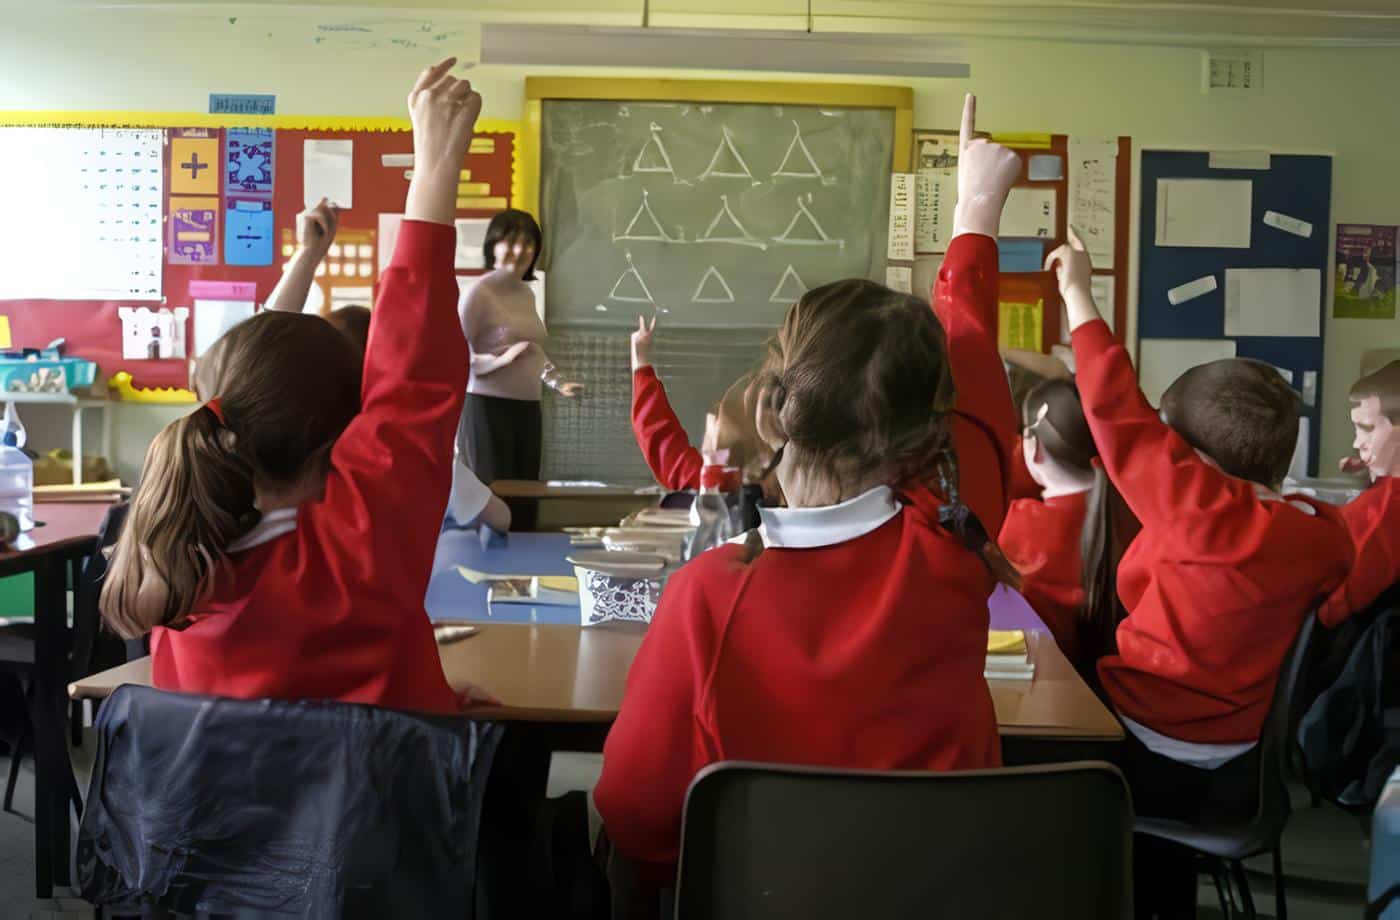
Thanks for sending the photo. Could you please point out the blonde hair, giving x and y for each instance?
(288, 384)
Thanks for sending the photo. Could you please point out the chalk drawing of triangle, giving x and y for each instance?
(653, 158)
(802, 165)
(630, 287)
(789, 287)
(712, 288)
(804, 230)
(725, 228)
(644, 225)
(727, 162)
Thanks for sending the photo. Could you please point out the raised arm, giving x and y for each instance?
(665, 446)
(316, 229)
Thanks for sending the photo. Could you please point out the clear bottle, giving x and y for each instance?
(16, 470)
(714, 513)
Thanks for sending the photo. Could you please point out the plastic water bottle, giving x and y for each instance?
(715, 516)
(16, 471)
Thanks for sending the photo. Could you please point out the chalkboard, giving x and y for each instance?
(713, 215)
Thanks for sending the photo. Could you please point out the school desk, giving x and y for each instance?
(64, 535)
(561, 505)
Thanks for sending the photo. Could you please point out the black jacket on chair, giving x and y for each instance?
(282, 808)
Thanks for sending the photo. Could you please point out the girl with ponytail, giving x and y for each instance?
(283, 534)
(857, 637)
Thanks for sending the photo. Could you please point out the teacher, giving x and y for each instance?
(500, 432)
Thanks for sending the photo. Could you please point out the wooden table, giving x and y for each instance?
(67, 535)
(557, 506)
(569, 674)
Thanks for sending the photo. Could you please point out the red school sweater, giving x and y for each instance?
(1041, 538)
(1374, 522)
(1218, 581)
(334, 608)
(867, 653)
(664, 443)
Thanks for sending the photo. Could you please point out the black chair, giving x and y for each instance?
(89, 650)
(1225, 845)
(765, 842)
(282, 808)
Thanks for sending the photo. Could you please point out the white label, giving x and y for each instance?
(1191, 290)
(901, 245)
(1288, 224)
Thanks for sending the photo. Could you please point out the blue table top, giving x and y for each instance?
(452, 597)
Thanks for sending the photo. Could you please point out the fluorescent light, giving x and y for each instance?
(719, 49)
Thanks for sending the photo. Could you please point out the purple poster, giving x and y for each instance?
(248, 160)
(194, 229)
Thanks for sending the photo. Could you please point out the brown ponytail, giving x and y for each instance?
(288, 384)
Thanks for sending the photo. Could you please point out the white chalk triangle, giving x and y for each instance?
(789, 287)
(808, 231)
(630, 286)
(645, 226)
(712, 288)
(803, 166)
(725, 228)
(727, 163)
(653, 158)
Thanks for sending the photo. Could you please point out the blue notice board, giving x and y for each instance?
(1298, 186)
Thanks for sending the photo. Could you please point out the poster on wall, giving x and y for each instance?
(248, 159)
(1365, 283)
(193, 231)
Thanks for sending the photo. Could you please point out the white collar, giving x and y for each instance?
(807, 528)
(273, 525)
(1264, 493)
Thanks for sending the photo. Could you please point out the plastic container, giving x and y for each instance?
(46, 375)
(715, 513)
(16, 471)
(618, 586)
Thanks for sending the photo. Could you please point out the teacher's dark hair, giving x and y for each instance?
(512, 224)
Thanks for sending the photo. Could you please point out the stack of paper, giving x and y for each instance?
(1008, 656)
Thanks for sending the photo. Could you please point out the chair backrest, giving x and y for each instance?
(90, 652)
(764, 842)
(1278, 742)
(295, 808)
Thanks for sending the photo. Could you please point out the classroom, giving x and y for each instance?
(634, 458)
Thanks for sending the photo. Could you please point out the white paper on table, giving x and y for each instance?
(471, 235)
(1029, 212)
(328, 172)
(1298, 466)
(1161, 361)
(901, 230)
(1204, 213)
(465, 283)
(933, 211)
(1101, 286)
(357, 296)
(388, 237)
(212, 318)
(899, 278)
(1093, 184)
(1273, 301)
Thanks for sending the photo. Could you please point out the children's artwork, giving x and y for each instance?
(194, 161)
(152, 335)
(194, 231)
(248, 231)
(1365, 283)
(248, 158)
(328, 172)
(1020, 325)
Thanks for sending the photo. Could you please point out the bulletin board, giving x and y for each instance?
(92, 328)
(1288, 222)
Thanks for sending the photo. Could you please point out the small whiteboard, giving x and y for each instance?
(83, 216)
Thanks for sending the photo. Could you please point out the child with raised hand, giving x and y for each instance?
(1217, 583)
(282, 539)
(857, 636)
(1373, 517)
(316, 229)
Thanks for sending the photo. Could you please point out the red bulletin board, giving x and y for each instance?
(92, 329)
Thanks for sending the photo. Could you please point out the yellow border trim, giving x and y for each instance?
(830, 95)
(56, 119)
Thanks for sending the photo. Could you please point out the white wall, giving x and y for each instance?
(1324, 101)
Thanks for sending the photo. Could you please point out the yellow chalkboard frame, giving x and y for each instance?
(899, 99)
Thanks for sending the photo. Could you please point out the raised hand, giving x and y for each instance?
(444, 112)
(986, 172)
(1074, 273)
(641, 343)
(316, 227)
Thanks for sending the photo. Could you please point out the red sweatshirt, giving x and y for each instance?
(1041, 538)
(1218, 581)
(664, 443)
(862, 649)
(333, 609)
(1374, 521)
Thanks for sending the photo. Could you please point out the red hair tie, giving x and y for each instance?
(216, 406)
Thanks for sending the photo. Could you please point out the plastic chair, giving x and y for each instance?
(768, 842)
(1227, 845)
